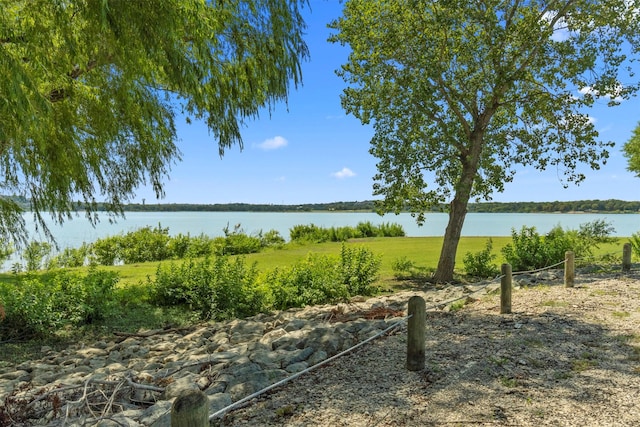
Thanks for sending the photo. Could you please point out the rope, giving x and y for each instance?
(237, 404)
(258, 393)
(234, 405)
(539, 269)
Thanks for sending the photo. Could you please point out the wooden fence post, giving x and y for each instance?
(569, 269)
(416, 328)
(626, 257)
(505, 289)
(190, 409)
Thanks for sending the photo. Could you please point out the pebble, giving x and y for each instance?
(226, 360)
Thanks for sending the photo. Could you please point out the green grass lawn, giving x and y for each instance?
(422, 251)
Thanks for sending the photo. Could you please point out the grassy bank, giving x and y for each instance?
(421, 252)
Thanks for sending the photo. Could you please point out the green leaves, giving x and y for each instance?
(460, 93)
(90, 91)
(631, 151)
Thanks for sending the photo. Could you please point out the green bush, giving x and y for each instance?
(387, 229)
(481, 263)
(72, 257)
(271, 238)
(359, 269)
(145, 244)
(34, 254)
(529, 250)
(314, 234)
(106, 251)
(34, 307)
(309, 234)
(322, 279)
(635, 243)
(402, 267)
(314, 280)
(215, 287)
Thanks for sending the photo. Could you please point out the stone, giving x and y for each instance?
(226, 360)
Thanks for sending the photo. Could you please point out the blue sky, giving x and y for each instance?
(310, 151)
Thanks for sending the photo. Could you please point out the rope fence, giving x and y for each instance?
(190, 409)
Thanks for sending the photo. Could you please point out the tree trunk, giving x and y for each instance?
(447, 260)
(458, 212)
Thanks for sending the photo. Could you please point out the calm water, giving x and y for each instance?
(77, 231)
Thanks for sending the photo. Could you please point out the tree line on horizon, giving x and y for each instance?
(608, 206)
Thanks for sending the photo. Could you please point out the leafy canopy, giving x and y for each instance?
(90, 91)
(462, 92)
(455, 87)
(631, 151)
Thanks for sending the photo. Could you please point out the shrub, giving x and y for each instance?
(35, 307)
(72, 257)
(481, 263)
(200, 246)
(359, 268)
(145, 244)
(215, 287)
(271, 238)
(387, 229)
(105, 251)
(402, 267)
(34, 254)
(322, 279)
(529, 250)
(635, 243)
(314, 280)
(366, 229)
(308, 233)
(526, 250)
(314, 234)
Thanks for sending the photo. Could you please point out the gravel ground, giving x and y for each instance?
(564, 357)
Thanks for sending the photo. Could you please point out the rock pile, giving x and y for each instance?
(133, 379)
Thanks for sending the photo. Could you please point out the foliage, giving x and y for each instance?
(271, 238)
(635, 243)
(313, 280)
(529, 250)
(34, 305)
(221, 287)
(34, 254)
(313, 234)
(6, 250)
(321, 279)
(72, 257)
(106, 251)
(480, 264)
(218, 288)
(236, 242)
(91, 92)
(459, 95)
(144, 244)
(403, 267)
(631, 150)
(359, 269)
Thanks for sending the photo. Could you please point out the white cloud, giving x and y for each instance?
(561, 31)
(273, 143)
(615, 96)
(344, 173)
(281, 179)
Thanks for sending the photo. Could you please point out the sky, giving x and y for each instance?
(309, 151)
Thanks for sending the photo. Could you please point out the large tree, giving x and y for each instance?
(91, 90)
(631, 151)
(460, 93)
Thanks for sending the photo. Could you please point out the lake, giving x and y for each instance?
(74, 233)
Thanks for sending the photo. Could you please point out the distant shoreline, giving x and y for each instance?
(572, 207)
